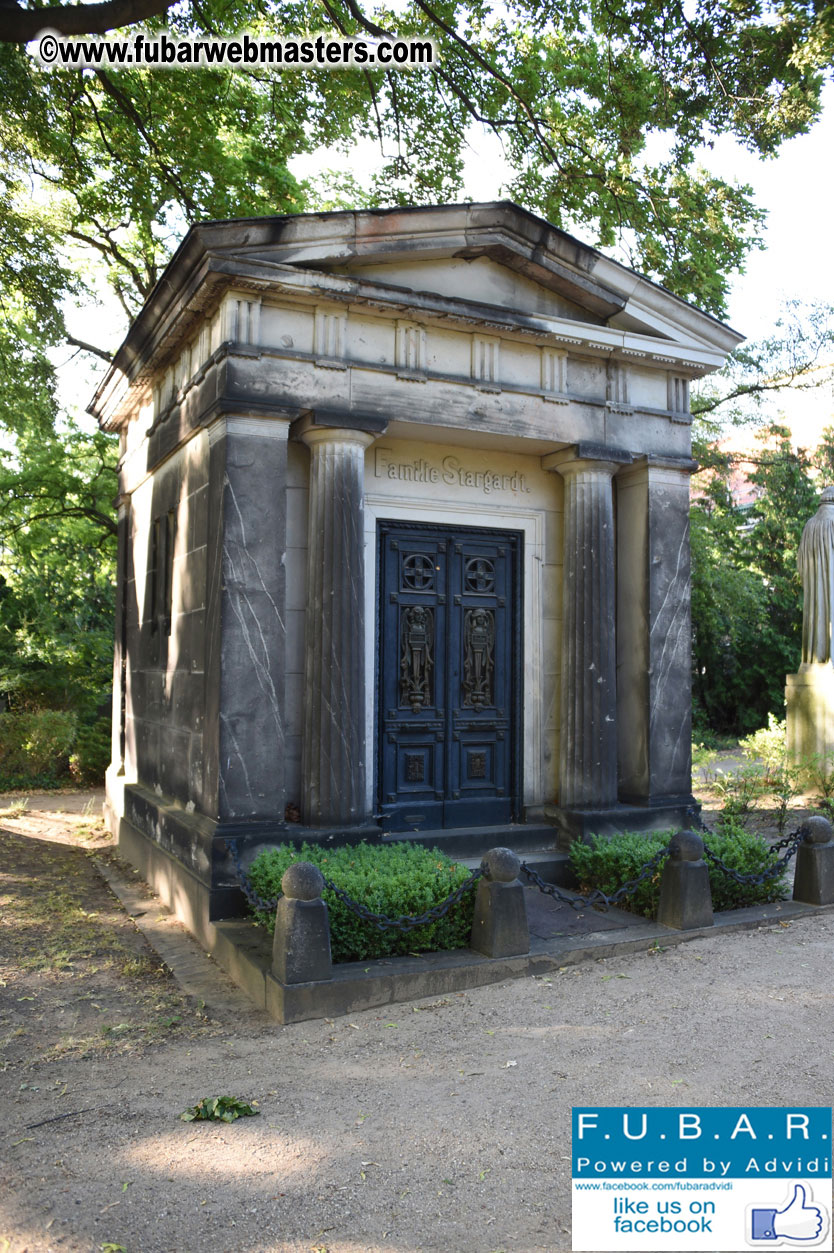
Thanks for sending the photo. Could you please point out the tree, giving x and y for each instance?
(729, 612)
(797, 357)
(746, 592)
(126, 158)
(56, 571)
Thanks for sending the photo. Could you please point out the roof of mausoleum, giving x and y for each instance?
(366, 257)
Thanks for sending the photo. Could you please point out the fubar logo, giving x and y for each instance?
(701, 1179)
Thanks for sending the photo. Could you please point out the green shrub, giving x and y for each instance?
(608, 862)
(818, 772)
(703, 757)
(34, 747)
(391, 879)
(92, 753)
(768, 745)
(740, 790)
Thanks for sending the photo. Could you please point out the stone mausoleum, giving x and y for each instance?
(403, 526)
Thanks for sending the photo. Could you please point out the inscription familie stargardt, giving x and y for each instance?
(449, 470)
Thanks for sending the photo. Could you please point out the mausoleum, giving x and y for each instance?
(403, 525)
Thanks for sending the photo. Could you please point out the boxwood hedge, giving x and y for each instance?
(609, 861)
(392, 879)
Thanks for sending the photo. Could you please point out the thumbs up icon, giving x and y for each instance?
(797, 1221)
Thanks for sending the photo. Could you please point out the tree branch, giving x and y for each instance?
(64, 511)
(705, 405)
(82, 344)
(18, 25)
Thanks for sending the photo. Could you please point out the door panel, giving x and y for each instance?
(447, 676)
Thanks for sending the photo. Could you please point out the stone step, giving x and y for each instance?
(535, 844)
(553, 866)
(468, 842)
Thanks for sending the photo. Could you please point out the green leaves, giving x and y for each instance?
(609, 861)
(218, 1109)
(746, 592)
(57, 565)
(123, 160)
(393, 879)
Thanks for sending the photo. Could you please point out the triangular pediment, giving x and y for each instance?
(494, 254)
(494, 265)
(479, 279)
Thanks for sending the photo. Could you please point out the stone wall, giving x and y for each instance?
(165, 662)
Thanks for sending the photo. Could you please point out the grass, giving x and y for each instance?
(80, 978)
(17, 808)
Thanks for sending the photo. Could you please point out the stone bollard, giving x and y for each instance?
(499, 925)
(685, 897)
(301, 949)
(814, 879)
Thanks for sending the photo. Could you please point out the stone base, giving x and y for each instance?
(183, 855)
(685, 897)
(581, 824)
(245, 952)
(810, 712)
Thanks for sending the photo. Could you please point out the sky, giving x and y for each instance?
(797, 189)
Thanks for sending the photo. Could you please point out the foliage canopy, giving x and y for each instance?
(746, 591)
(601, 109)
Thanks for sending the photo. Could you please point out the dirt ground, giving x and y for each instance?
(440, 1126)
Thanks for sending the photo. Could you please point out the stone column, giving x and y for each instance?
(653, 631)
(333, 757)
(588, 736)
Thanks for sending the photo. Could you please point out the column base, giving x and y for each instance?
(581, 824)
(810, 712)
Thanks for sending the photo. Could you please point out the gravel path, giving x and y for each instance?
(437, 1126)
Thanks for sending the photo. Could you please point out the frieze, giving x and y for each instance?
(450, 471)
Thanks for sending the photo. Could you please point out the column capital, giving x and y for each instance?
(651, 464)
(587, 456)
(260, 425)
(344, 428)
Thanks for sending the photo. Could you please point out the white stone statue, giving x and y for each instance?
(816, 569)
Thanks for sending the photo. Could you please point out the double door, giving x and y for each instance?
(449, 666)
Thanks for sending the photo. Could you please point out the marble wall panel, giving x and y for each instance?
(647, 387)
(371, 340)
(174, 745)
(479, 278)
(642, 433)
(246, 640)
(654, 635)
(587, 376)
(521, 364)
(287, 327)
(164, 668)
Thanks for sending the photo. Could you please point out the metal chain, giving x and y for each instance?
(256, 901)
(405, 922)
(597, 897)
(774, 848)
(787, 841)
(791, 843)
